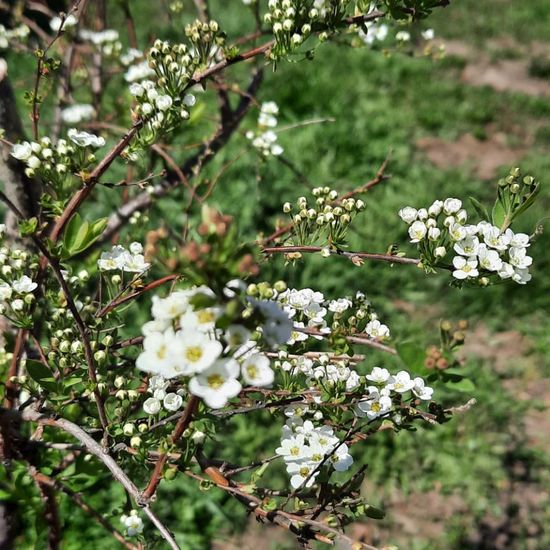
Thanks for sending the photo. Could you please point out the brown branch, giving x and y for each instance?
(390, 258)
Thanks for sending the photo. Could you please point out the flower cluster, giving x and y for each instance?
(320, 370)
(384, 386)
(66, 24)
(120, 259)
(304, 447)
(161, 398)
(207, 41)
(328, 219)
(183, 340)
(292, 21)
(264, 138)
(55, 164)
(10, 36)
(73, 114)
(480, 251)
(106, 41)
(133, 524)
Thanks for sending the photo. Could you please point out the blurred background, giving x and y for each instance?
(454, 124)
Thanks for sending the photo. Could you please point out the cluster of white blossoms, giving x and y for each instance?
(55, 163)
(106, 41)
(182, 340)
(480, 250)
(154, 106)
(292, 20)
(304, 447)
(18, 293)
(10, 36)
(383, 385)
(138, 72)
(329, 212)
(66, 24)
(320, 370)
(133, 524)
(120, 259)
(73, 114)
(264, 138)
(170, 401)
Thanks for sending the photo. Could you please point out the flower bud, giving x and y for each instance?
(128, 429)
(135, 441)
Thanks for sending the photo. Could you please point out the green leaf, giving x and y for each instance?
(41, 375)
(80, 234)
(480, 208)
(498, 214)
(529, 200)
(465, 385)
(413, 356)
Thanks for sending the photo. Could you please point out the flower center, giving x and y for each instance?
(295, 451)
(252, 371)
(204, 316)
(304, 471)
(376, 407)
(161, 352)
(215, 381)
(193, 353)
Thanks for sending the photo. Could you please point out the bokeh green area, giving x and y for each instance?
(379, 103)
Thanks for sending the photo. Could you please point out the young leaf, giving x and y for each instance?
(480, 208)
(41, 375)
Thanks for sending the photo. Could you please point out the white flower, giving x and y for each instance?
(113, 259)
(293, 448)
(157, 383)
(155, 357)
(172, 401)
(341, 460)
(77, 113)
(403, 36)
(135, 263)
(189, 100)
(133, 523)
(421, 390)
(519, 258)
(141, 71)
(434, 233)
(22, 151)
(520, 240)
(56, 22)
(17, 305)
(377, 404)
(5, 291)
(277, 327)
(467, 246)
(171, 307)
(256, 370)
(136, 248)
(493, 237)
(408, 214)
(300, 471)
(84, 139)
(440, 252)
(451, 206)
(217, 384)
(465, 267)
(428, 34)
(521, 276)
(422, 214)
(340, 305)
(203, 320)
(163, 102)
(33, 162)
(375, 329)
(152, 405)
(457, 232)
(506, 271)
(24, 285)
(378, 375)
(489, 259)
(401, 382)
(193, 351)
(417, 231)
(436, 208)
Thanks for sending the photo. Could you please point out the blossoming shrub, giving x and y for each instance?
(134, 357)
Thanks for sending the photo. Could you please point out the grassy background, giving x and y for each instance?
(382, 103)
